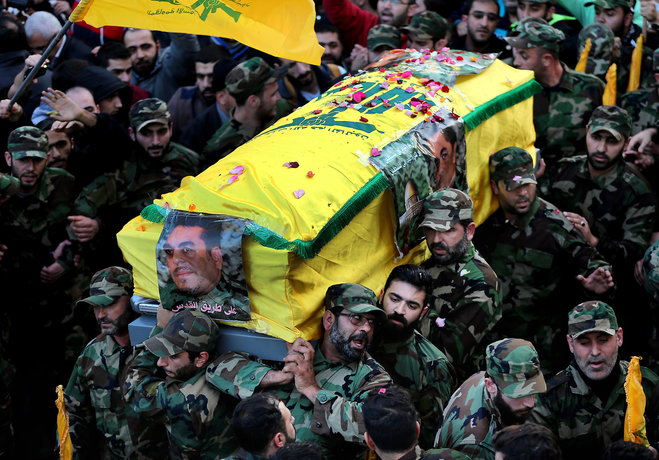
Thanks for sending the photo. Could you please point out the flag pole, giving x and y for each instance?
(27, 81)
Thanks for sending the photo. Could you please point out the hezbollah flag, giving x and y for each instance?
(282, 29)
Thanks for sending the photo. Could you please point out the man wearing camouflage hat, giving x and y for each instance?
(603, 49)
(562, 109)
(612, 205)
(585, 403)
(329, 380)
(427, 30)
(488, 401)
(99, 422)
(618, 15)
(542, 261)
(155, 166)
(253, 84)
(381, 38)
(167, 379)
(466, 297)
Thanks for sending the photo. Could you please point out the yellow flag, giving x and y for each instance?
(609, 96)
(635, 67)
(583, 57)
(65, 447)
(634, 419)
(283, 29)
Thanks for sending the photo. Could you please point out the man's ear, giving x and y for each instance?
(369, 441)
(491, 387)
(627, 20)
(441, 43)
(202, 359)
(158, 46)
(423, 312)
(131, 133)
(471, 229)
(550, 13)
(619, 336)
(8, 158)
(216, 255)
(570, 343)
(328, 320)
(495, 187)
(381, 295)
(279, 440)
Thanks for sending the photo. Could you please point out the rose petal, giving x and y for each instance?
(363, 119)
(517, 178)
(232, 179)
(358, 96)
(409, 89)
(444, 89)
(440, 322)
(298, 193)
(459, 58)
(141, 228)
(384, 85)
(192, 207)
(317, 111)
(375, 152)
(406, 74)
(400, 106)
(310, 174)
(237, 170)
(292, 164)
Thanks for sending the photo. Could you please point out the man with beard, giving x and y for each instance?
(585, 404)
(465, 301)
(253, 84)
(322, 385)
(329, 38)
(413, 362)
(482, 18)
(159, 71)
(100, 423)
(167, 380)
(304, 82)
(542, 261)
(612, 205)
(488, 401)
(263, 425)
(155, 166)
(189, 101)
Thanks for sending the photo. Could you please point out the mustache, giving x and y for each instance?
(359, 336)
(440, 245)
(397, 317)
(105, 319)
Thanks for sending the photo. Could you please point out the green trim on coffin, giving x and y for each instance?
(500, 103)
(373, 188)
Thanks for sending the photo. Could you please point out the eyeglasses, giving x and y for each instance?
(481, 14)
(359, 320)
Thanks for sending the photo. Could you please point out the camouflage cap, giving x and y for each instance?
(383, 35)
(612, 119)
(27, 141)
(147, 111)
(108, 286)
(187, 330)
(514, 366)
(427, 25)
(445, 208)
(601, 48)
(353, 297)
(512, 165)
(534, 33)
(250, 77)
(651, 271)
(593, 315)
(611, 4)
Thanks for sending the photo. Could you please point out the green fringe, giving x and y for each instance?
(308, 249)
(154, 213)
(501, 102)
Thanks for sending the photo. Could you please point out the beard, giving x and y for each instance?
(349, 353)
(119, 325)
(509, 416)
(393, 332)
(602, 165)
(453, 253)
(186, 372)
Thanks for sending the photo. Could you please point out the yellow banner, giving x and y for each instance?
(282, 29)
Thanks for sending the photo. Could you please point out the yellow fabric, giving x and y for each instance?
(583, 57)
(65, 447)
(283, 29)
(285, 290)
(635, 67)
(609, 96)
(634, 419)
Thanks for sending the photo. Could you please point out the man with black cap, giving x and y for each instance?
(540, 258)
(100, 424)
(111, 94)
(585, 404)
(465, 302)
(329, 380)
(202, 127)
(167, 379)
(254, 86)
(488, 401)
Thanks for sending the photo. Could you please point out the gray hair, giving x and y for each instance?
(43, 22)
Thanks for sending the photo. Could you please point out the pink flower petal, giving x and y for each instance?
(310, 174)
(517, 178)
(363, 119)
(232, 179)
(384, 85)
(440, 322)
(298, 193)
(238, 170)
(292, 164)
(358, 96)
(400, 106)
(409, 89)
(406, 74)
(375, 152)
(317, 111)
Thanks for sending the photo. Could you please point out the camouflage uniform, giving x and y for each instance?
(643, 104)
(537, 257)
(583, 420)
(142, 178)
(471, 418)
(427, 25)
(8, 185)
(247, 78)
(100, 423)
(466, 297)
(433, 454)
(601, 54)
(334, 420)
(560, 112)
(197, 416)
(383, 35)
(421, 369)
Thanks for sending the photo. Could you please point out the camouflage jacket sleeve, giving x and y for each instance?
(337, 414)
(8, 185)
(236, 374)
(104, 190)
(143, 389)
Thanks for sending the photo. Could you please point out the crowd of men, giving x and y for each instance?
(506, 343)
